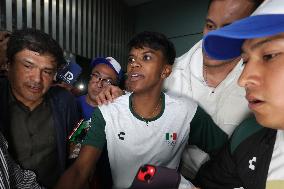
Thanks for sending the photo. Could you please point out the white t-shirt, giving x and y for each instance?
(131, 142)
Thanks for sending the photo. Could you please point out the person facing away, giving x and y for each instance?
(212, 83)
(254, 156)
(35, 117)
(141, 127)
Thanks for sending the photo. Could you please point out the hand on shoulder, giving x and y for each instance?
(108, 94)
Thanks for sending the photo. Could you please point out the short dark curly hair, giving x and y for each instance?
(156, 41)
(34, 40)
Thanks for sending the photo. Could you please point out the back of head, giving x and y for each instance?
(156, 41)
(34, 40)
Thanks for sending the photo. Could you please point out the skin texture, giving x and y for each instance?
(263, 77)
(95, 87)
(31, 76)
(220, 14)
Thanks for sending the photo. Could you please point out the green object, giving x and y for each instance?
(79, 133)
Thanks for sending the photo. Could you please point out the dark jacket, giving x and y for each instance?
(235, 167)
(64, 112)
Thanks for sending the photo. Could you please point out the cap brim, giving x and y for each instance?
(226, 43)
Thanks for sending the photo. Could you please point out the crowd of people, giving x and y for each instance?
(213, 115)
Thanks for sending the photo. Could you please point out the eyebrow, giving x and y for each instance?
(107, 77)
(24, 60)
(209, 20)
(148, 51)
(259, 44)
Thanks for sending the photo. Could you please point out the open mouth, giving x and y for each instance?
(135, 76)
(254, 102)
(35, 89)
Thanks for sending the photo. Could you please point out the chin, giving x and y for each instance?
(268, 122)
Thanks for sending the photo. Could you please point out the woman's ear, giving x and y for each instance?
(166, 71)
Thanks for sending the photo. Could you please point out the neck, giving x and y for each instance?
(214, 75)
(30, 104)
(90, 101)
(147, 106)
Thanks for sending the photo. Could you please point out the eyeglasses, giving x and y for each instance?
(97, 78)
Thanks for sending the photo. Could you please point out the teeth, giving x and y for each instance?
(134, 75)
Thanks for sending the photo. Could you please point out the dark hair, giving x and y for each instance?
(256, 3)
(156, 41)
(34, 40)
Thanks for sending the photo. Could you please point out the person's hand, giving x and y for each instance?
(108, 94)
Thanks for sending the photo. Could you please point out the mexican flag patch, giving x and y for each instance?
(171, 136)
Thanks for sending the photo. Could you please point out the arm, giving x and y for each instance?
(108, 94)
(205, 134)
(219, 172)
(77, 175)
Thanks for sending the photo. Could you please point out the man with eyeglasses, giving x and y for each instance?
(105, 71)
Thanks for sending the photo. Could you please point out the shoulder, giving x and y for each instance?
(81, 100)
(60, 93)
(179, 99)
(180, 103)
(118, 105)
(121, 101)
(184, 60)
(246, 129)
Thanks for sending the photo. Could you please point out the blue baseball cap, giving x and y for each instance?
(111, 62)
(69, 73)
(226, 43)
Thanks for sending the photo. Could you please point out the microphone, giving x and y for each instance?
(156, 177)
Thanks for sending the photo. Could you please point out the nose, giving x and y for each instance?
(250, 75)
(135, 63)
(37, 75)
(100, 83)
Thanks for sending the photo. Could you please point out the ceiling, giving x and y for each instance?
(135, 2)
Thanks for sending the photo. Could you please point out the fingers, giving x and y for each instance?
(116, 92)
(104, 97)
(108, 94)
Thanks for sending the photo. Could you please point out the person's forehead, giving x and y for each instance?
(228, 11)
(29, 54)
(104, 70)
(254, 44)
(135, 51)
